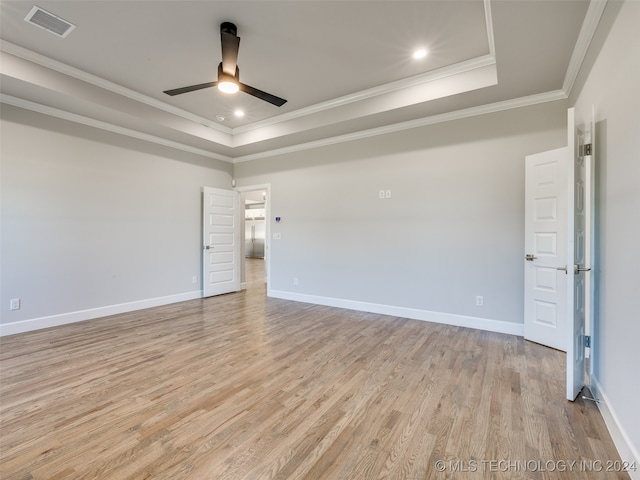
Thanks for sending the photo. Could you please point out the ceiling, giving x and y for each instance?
(345, 67)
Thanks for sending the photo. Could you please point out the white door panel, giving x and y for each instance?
(545, 247)
(221, 241)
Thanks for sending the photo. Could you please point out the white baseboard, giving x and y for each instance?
(81, 315)
(404, 312)
(628, 453)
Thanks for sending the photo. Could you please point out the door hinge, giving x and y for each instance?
(586, 149)
(587, 341)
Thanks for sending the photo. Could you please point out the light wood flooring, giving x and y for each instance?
(244, 387)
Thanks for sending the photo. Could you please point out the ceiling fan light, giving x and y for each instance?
(227, 83)
(227, 86)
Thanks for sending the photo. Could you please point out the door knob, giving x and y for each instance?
(577, 269)
(208, 247)
(529, 257)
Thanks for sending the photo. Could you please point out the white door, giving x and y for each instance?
(580, 249)
(221, 241)
(546, 238)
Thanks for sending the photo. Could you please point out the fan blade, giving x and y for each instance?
(192, 88)
(267, 97)
(230, 45)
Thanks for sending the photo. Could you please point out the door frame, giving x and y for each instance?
(591, 249)
(263, 187)
(587, 128)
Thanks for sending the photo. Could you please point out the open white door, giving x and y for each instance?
(546, 235)
(221, 241)
(580, 202)
(559, 238)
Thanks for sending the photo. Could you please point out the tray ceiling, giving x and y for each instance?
(346, 68)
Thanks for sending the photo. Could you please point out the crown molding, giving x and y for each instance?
(489, 23)
(416, 80)
(421, 122)
(434, 119)
(587, 31)
(109, 127)
(100, 82)
(449, 71)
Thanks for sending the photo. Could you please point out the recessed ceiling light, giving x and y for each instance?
(421, 53)
(239, 113)
(220, 118)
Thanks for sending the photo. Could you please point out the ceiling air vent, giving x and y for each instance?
(43, 19)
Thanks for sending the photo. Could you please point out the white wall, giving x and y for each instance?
(94, 223)
(452, 229)
(610, 81)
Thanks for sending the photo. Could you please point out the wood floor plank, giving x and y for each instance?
(244, 387)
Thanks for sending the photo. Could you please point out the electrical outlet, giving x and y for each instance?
(14, 304)
(295, 280)
(194, 279)
(479, 301)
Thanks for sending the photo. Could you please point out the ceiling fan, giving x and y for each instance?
(228, 71)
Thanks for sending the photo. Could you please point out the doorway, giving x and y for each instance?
(255, 257)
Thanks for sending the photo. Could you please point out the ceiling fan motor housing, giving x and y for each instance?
(224, 76)
(229, 28)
